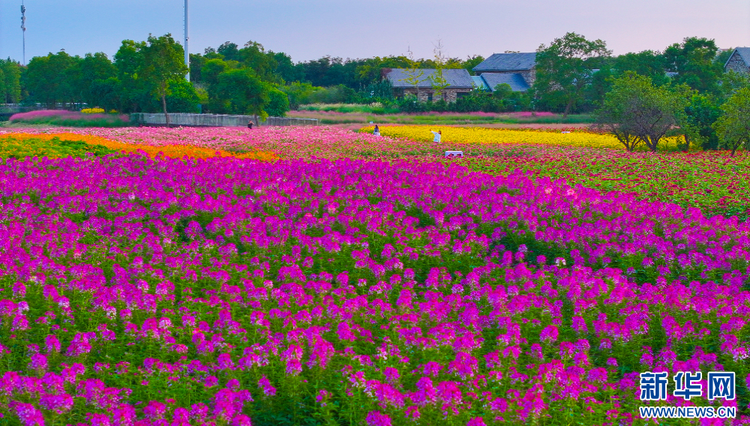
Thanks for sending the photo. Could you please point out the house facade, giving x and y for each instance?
(422, 83)
(739, 61)
(515, 69)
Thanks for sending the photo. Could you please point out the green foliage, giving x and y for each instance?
(133, 92)
(733, 126)
(647, 63)
(278, 103)
(163, 63)
(700, 115)
(11, 81)
(47, 78)
(182, 97)
(297, 93)
(243, 92)
(694, 62)
(637, 112)
(565, 68)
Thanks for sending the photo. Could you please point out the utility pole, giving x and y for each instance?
(23, 28)
(187, 54)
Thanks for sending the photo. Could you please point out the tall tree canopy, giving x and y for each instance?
(565, 68)
(163, 63)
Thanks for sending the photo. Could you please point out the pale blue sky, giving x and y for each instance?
(310, 29)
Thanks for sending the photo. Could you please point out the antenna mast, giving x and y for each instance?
(187, 54)
(23, 28)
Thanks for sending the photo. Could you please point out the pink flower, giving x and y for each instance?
(376, 418)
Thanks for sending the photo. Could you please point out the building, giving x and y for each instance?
(458, 83)
(514, 69)
(739, 61)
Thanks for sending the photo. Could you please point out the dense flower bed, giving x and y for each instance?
(712, 181)
(56, 145)
(482, 135)
(162, 291)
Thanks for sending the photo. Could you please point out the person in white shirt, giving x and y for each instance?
(376, 132)
(438, 135)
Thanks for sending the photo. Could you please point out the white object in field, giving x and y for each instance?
(454, 153)
(565, 132)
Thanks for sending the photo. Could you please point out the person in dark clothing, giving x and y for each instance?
(250, 125)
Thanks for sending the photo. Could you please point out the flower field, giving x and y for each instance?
(57, 145)
(481, 135)
(347, 279)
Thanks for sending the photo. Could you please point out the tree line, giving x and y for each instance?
(573, 75)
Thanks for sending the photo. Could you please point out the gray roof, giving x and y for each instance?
(744, 53)
(456, 78)
(507, 62)
(480, 83)
(515, 80)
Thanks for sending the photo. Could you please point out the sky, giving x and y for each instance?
(310, 29)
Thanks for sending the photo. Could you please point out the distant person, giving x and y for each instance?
(376, 132)
(250, 125)
(438, 135)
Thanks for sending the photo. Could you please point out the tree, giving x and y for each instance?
(132, 89)
(647, 63)
(413, 73)
(92, 71)
(635, 111)
(565, 67)
(163, 62)
(47, 78)
(12, 80)
(278, 103)
(700, 115)
(244, 92)
(733, 126)
(694, 62)
(230, 51)
(437, 79)
(471, 62)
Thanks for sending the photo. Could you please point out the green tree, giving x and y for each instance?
(197, 62)
(47, 78)
(229, 51)
(565, 68)
(700, 115)
(244, 93)
(437, 79)
(163, 62)
(182, 97)
(471, 62)
(297, 93)
(694, 62)
(286, 70)
(93, 71)
(414, 73)
(733, 126)
(254, 56)
(133, 92)
(635, 111)
(11, 80)
(647, 63)
(278, 103)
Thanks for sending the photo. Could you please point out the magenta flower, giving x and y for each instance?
(376, 418)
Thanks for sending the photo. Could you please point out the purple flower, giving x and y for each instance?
(376, 418)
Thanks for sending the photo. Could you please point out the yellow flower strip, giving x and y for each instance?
(504, 136)
(172, 151)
